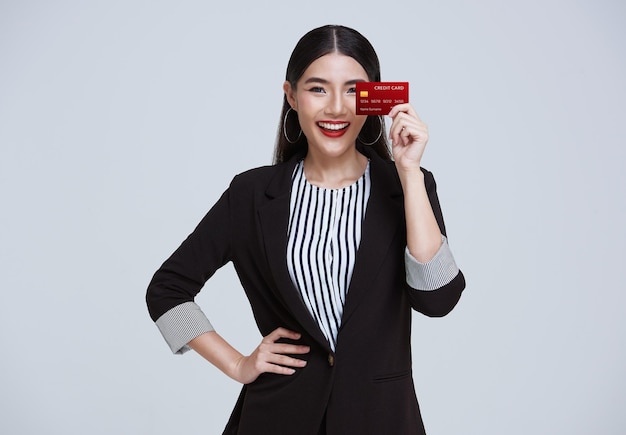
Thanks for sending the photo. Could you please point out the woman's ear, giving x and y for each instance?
(290, 94)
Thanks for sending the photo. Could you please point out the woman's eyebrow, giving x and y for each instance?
(324, 81)
(316, 80)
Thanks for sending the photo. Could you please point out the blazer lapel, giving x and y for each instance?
(379, 228)
(274, 219)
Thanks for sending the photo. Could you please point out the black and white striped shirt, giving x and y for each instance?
(323, 238)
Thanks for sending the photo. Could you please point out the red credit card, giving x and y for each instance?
(377, 98)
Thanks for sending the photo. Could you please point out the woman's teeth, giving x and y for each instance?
(334, 127)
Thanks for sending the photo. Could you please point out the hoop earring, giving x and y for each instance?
(380, 133)
(285, 127)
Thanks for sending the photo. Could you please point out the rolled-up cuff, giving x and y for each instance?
(434, 274)
(182, 324)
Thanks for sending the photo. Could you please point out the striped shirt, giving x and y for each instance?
(323, 238)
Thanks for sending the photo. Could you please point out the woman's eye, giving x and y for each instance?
(317, 89)
(352, 91)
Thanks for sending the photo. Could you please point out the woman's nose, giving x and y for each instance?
(336, 105)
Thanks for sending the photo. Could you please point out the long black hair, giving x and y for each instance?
(313, 45)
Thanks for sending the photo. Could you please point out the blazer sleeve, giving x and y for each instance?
(435, 286)
(171, 292)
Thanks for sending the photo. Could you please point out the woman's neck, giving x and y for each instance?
(334, 172)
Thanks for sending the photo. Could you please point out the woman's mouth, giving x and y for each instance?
(333, 128)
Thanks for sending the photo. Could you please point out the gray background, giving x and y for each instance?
(121, 122)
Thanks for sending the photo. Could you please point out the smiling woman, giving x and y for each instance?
(313, 46)
(325, 101)
(334, 245)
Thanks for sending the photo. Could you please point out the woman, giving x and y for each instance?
(333, 245)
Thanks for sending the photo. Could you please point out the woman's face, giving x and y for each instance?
(325, 99)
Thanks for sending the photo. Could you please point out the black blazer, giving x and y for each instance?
(366, 386)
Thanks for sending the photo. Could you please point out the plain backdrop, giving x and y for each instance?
(121, 122)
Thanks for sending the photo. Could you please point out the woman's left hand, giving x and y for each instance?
(409, 136)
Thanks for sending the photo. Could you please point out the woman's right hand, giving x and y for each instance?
(271, 357)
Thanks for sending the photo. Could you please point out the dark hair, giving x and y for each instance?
(315, 44)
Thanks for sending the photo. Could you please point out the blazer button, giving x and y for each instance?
(331, 359)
